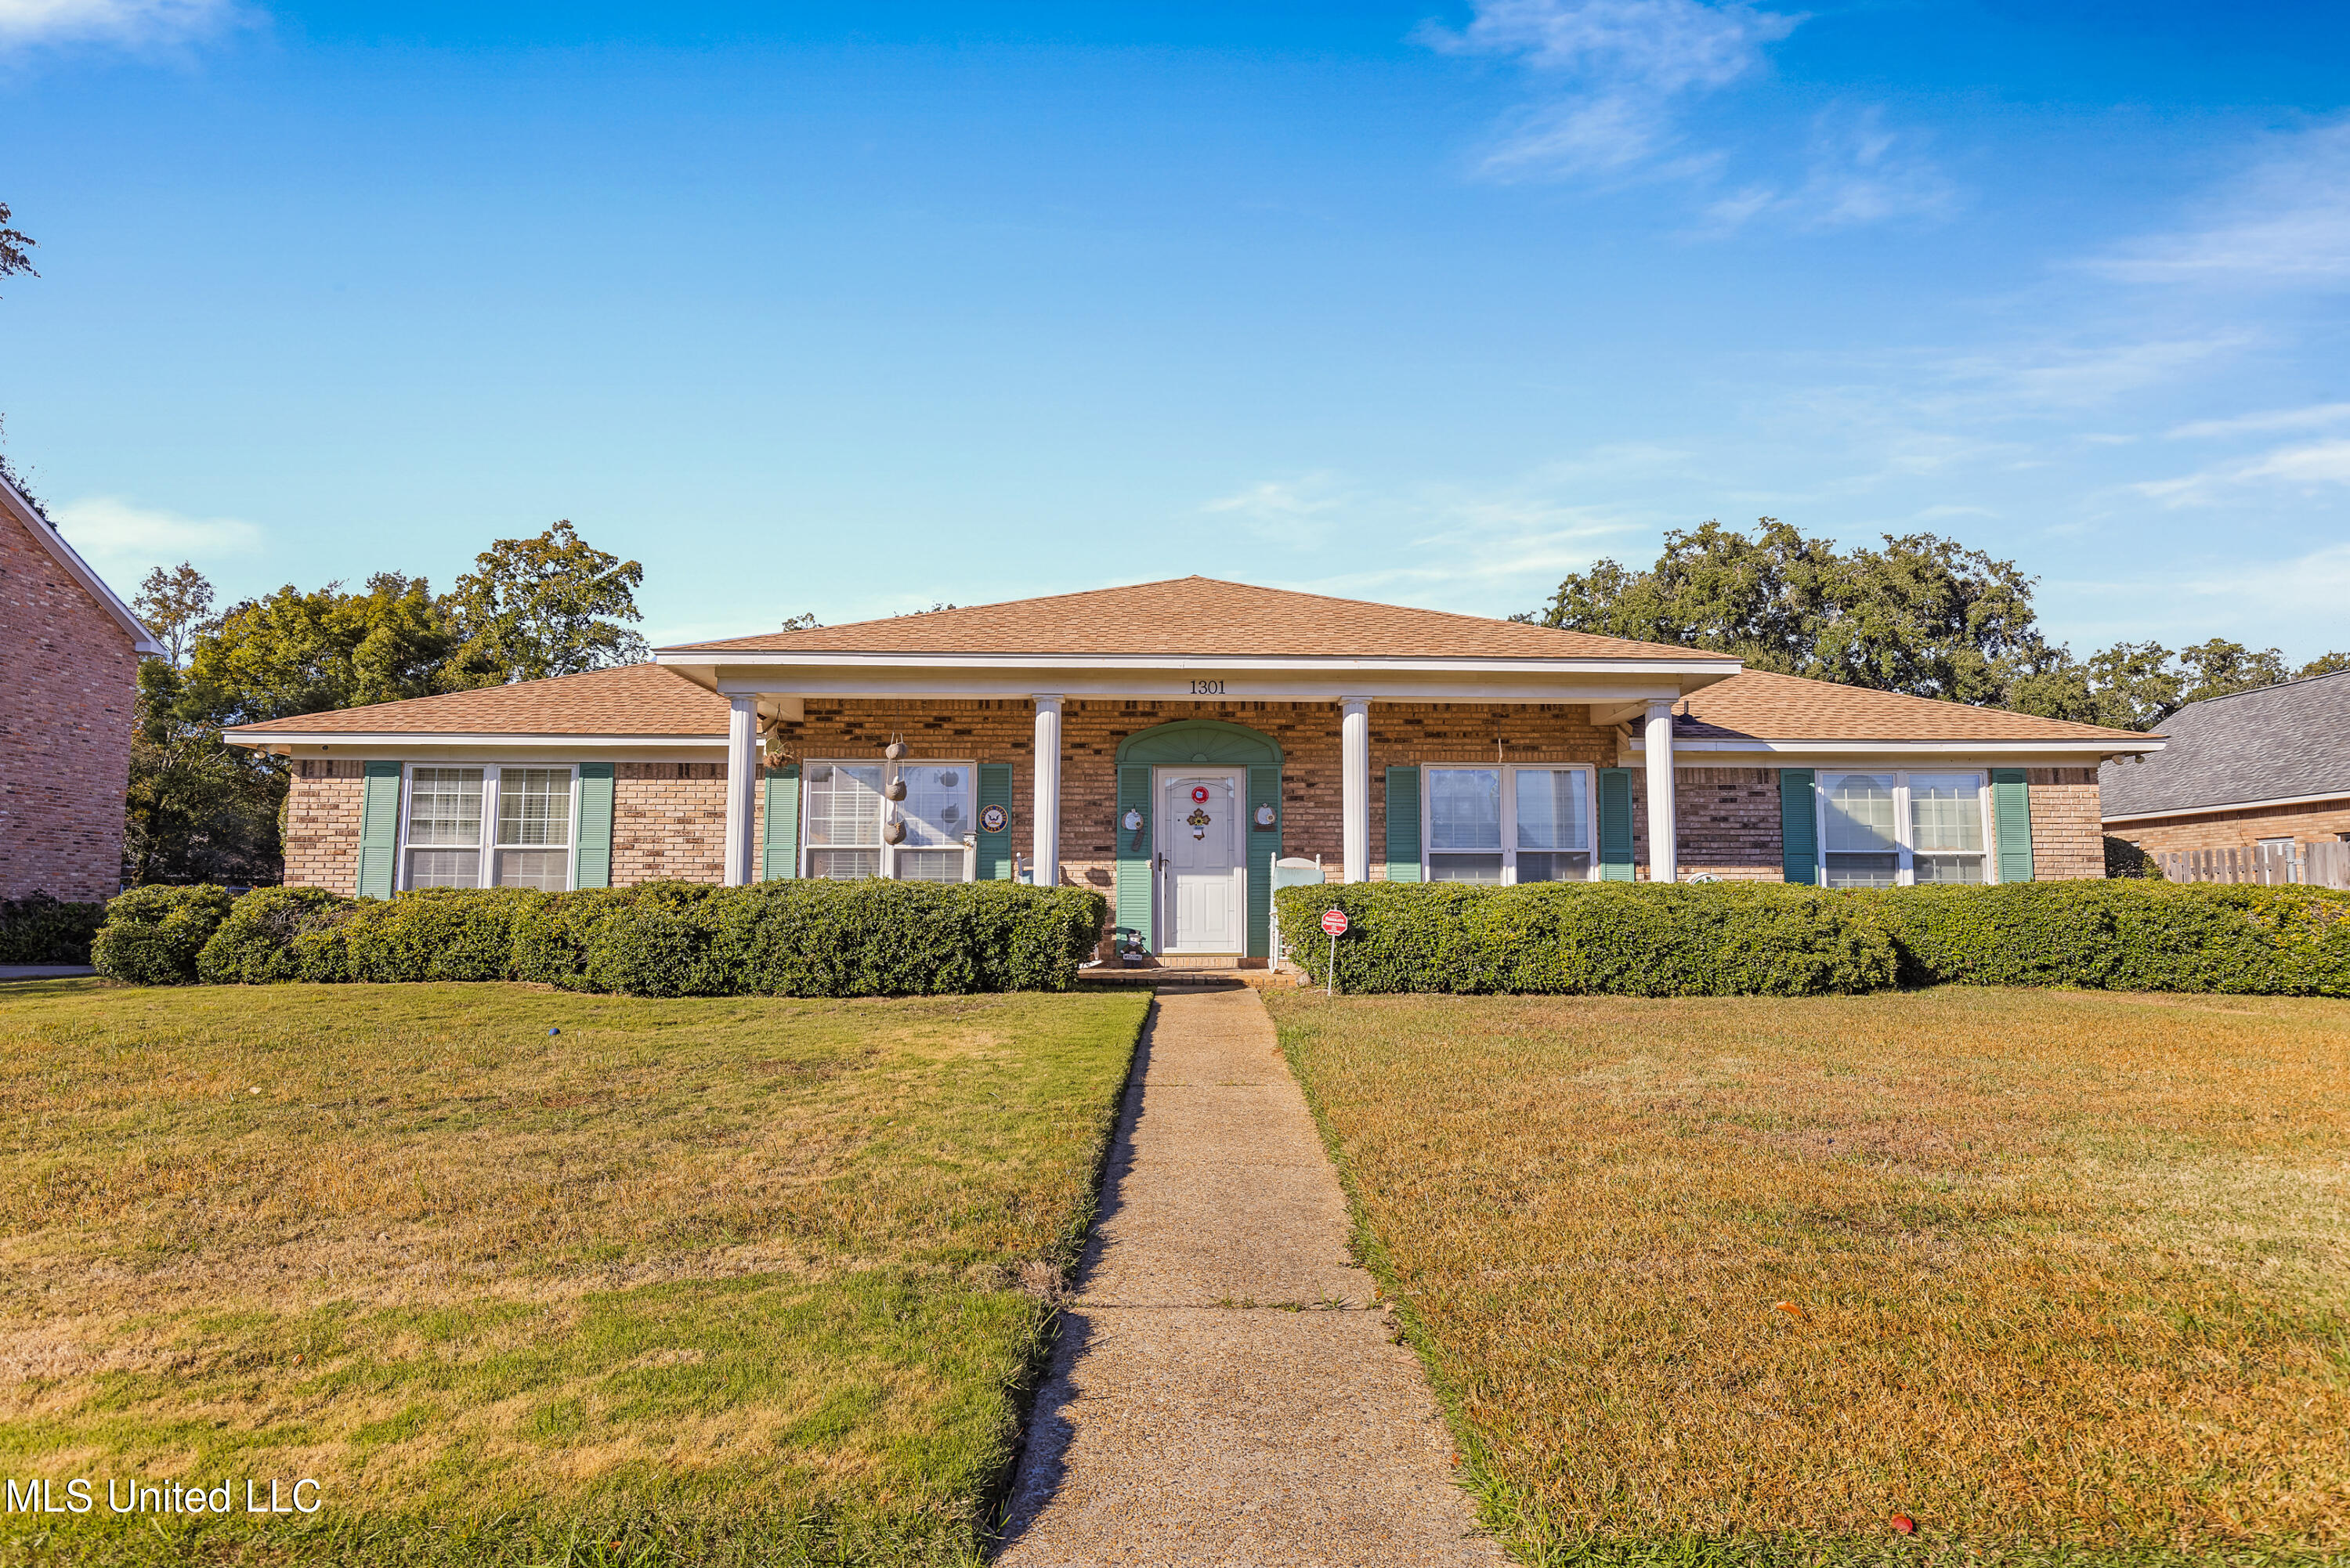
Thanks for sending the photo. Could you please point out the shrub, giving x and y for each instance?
(279, 933)
(154, 935)
(2126, 935)
(37, 929)
(1766, 939)
(2124, 858)
(675, 939)
(1630, 940)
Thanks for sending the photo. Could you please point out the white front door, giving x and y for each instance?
(1202, 861)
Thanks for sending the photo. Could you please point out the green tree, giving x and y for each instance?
(177, 607)
(2323, 664)
(14, 243)
(198, 810)
(292, 652)
(554, 605)
(1922, 615)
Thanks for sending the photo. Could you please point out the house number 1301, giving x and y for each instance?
(1206, 688)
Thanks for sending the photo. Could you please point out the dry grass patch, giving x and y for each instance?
(749, 1275)
(2035, 1268)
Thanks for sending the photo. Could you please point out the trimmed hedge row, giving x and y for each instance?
(774, 938)
(37, 929)
(1768, 939)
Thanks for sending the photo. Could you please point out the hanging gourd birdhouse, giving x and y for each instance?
(894, 790)
(895, 749)
(893, 831)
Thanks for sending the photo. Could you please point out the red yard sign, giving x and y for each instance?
(1335, 921)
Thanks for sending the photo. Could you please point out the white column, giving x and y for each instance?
(1355, 785)
(742, 787)
(1047, 871)
(1664, 864)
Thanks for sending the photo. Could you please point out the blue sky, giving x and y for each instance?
(855, 308)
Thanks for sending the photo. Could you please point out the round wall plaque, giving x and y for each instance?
(994, 818)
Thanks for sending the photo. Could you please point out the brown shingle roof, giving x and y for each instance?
(1762, 705)
(1184, 617)
(633, 700)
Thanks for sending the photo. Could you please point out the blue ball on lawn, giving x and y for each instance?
(555, 1032)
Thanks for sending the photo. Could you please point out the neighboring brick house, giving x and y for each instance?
(69, 694)
(2270, 766)
(1190, 732)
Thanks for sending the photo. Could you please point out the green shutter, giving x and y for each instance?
(1799, 827)
(1262, 844)
(996, 848)
(592, 858)
(1615, 825)
(1403, 825)
(1134, 853)
(378, 830)
(2011, 816)
(779, 842)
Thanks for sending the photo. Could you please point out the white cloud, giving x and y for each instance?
(2285, 221)
(128, 23)
(1299, 512)
(124, 541)
(2314, 418)
(2307, 467)
(1626, 63)
(1860, 172)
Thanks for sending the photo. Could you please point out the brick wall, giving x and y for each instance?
(324, 798)
(2323, 820)
(669, 823)
(1728, 823)
(2067, 828)
(67, 711)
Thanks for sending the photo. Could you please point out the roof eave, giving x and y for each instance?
(141, 640)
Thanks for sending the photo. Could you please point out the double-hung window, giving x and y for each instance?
(1899, 830)
(845, 811)
(488, 827)
(1505, 825)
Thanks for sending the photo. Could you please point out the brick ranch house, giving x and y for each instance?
(2265, 768)
(1168, 743)
(68, 707)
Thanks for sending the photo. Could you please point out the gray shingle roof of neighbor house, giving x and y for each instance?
(2278, 742)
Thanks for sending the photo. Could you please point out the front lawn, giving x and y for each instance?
(1741, 1280)
(691, 1280)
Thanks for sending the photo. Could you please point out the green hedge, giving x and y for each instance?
(2128, 935)
(152, 935)
(784, 939)
(1621, 938)
(1769, 939)
(37, 929)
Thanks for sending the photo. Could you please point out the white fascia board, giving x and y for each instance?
(2271, 804)
(141, 639)
(1716, 669)
(2040, 749)
(393, 741)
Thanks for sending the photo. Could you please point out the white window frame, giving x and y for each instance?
(890, 852)
(1904, 830)
(1509, 772)
(486, 847)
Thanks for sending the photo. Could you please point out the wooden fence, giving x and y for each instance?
(2313, 865)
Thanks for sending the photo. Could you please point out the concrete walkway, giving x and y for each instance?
(1194, 1414)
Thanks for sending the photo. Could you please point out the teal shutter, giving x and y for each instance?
(1134, 853)
(592, 851)
(1264, 844)
(1799, 827)
(779, 842)
(1615, 825)
(2011, 817)
(1403, 825)
(379, 829)
(996, 848)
